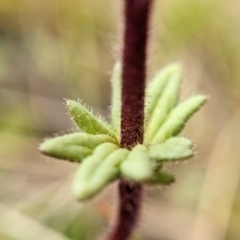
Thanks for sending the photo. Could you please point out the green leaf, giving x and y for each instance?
(116, 97)
(86, 121)
(180, 141)
(137, 166)
(97, 170)
(174, 149)
(178, 118)
(156, 86)
(73, 147)
(162, 178)
(165, 90)
(109, 168)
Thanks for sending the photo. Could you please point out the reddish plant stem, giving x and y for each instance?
(136, 17)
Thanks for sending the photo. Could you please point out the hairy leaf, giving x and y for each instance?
(104, 173)
(178, 118)
(116, 97)
(85, 185)
(174, 149)
(73, 147)
(156, 86)
(137, 166)
(162, 178)
(86, 121)
(164, 99)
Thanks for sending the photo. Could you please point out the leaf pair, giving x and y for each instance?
(76, 146)
(164, 118)
(108, 162)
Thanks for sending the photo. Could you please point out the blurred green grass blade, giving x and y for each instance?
(18, 226)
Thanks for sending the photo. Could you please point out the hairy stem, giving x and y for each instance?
(136, 17)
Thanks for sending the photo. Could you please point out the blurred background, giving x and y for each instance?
(56, 49)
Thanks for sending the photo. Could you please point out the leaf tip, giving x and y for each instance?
(175, 68)
(200, 100)
(80, 191)
(69, 103)
(46, 147)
